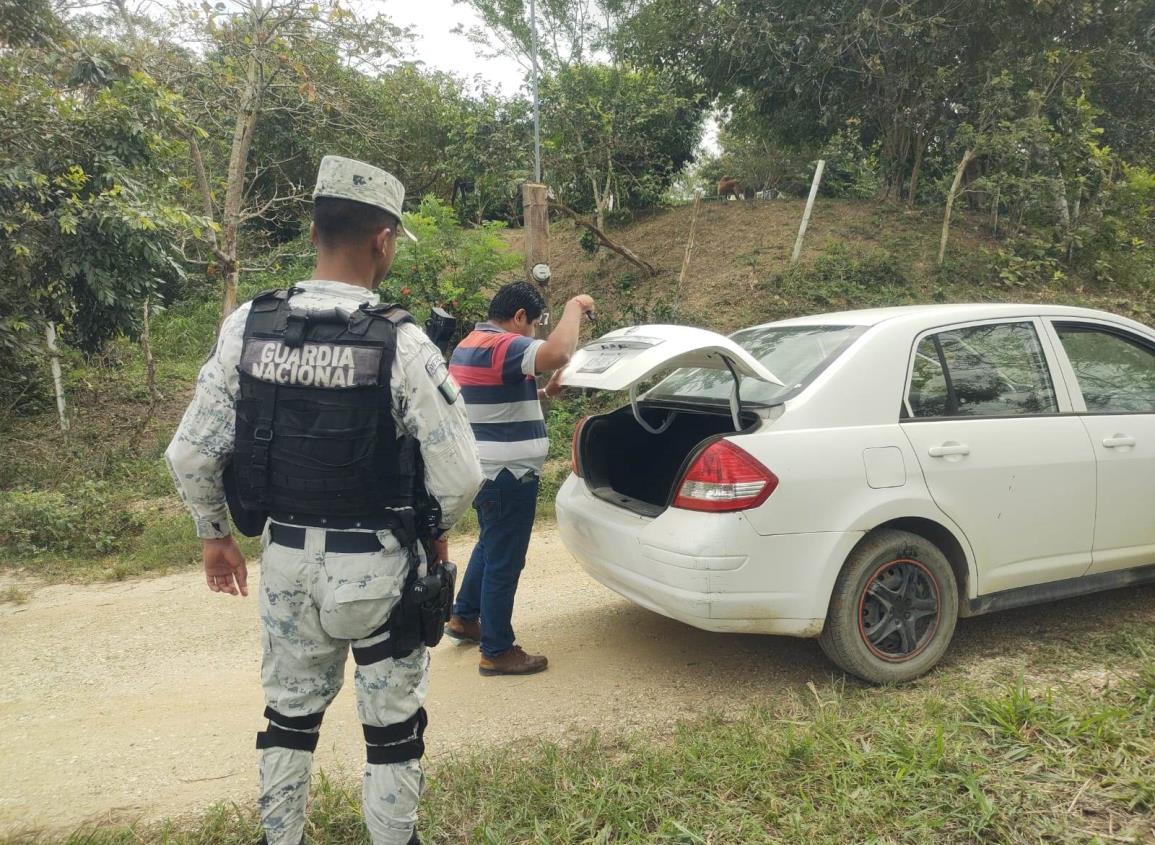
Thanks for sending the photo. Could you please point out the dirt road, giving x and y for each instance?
(140, 700)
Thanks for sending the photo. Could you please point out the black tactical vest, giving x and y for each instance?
(315, 432)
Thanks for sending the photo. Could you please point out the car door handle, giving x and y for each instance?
(1119, 441)
(948, 449)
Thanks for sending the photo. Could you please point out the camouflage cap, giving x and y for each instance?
(349, 179)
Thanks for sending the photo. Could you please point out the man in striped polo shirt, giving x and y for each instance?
(495, 368)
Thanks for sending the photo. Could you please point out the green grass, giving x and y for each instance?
(167, 543)
(944, 761)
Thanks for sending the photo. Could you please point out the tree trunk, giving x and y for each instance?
(1062, 208)
(914, 171)
(231, 274)
(1076, 211)
(243, 128)
(968, 156)
(154, 396)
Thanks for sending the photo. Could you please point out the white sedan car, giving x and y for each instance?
(867, 477)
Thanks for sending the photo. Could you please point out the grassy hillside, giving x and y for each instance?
(857, 254)
(99, 503)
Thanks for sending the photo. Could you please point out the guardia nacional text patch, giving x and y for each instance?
(311, 364)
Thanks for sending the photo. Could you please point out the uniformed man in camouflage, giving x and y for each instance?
(330, 410)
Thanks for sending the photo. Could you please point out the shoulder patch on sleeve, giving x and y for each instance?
(439, 374)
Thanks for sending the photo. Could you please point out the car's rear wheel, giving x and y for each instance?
(893, 609)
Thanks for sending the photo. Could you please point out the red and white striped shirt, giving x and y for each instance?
(495, 370)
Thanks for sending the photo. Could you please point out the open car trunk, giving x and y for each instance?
(635, 456)
(630, 467)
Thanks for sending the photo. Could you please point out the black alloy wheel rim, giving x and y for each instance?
(898, 611)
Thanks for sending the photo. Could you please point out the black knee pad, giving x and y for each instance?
(296, 732)
(396, 743)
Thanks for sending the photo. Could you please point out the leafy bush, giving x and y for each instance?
(449, 266)
(636, 313)
(852, 170)
(82, 519)
(588, 242)
(187, 331)
(1027, 261)
(1117, 241)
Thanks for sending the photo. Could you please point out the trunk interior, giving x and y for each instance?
(632, 468)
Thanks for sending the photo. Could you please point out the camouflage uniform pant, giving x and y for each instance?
(314, 606)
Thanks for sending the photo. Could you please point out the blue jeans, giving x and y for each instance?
(505, 509)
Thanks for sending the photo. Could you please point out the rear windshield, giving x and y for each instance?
(795, 354)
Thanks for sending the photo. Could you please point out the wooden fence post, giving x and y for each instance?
(689, 252)
(535, 202)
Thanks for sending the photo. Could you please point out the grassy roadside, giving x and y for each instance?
(1047, 757)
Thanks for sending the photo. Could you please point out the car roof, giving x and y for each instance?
(915, 316)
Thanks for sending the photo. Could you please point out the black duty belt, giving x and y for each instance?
(339, 542)
(373, 522)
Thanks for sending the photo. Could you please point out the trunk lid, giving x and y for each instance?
(623, 358)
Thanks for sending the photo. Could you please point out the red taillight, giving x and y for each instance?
(575, 447)
(724, 477)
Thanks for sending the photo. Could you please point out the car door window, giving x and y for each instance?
(990, 370)
(1115, 373)
(928, 392)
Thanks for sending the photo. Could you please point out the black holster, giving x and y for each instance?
(424, 608)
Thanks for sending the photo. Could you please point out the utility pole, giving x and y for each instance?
(535, 195)
(536, 100)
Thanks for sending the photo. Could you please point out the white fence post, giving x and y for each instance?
(57, 381)
(809, 208)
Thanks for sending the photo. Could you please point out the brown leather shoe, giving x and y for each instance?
(461, 631)
(513, 662)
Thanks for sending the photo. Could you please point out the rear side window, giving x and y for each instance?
(981, 371)
(1115, 373)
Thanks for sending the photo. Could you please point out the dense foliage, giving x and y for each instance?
(88, 223)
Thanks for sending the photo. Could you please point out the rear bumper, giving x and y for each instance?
(709, 570)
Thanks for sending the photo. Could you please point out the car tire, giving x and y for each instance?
(893, 609)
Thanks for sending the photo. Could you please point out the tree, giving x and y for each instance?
(615, 136)
(86, 167)
(267, 59)
(488, 156)
(449, 266)
(909, 71)
(612, 133)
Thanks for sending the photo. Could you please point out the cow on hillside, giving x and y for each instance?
(728, 186)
